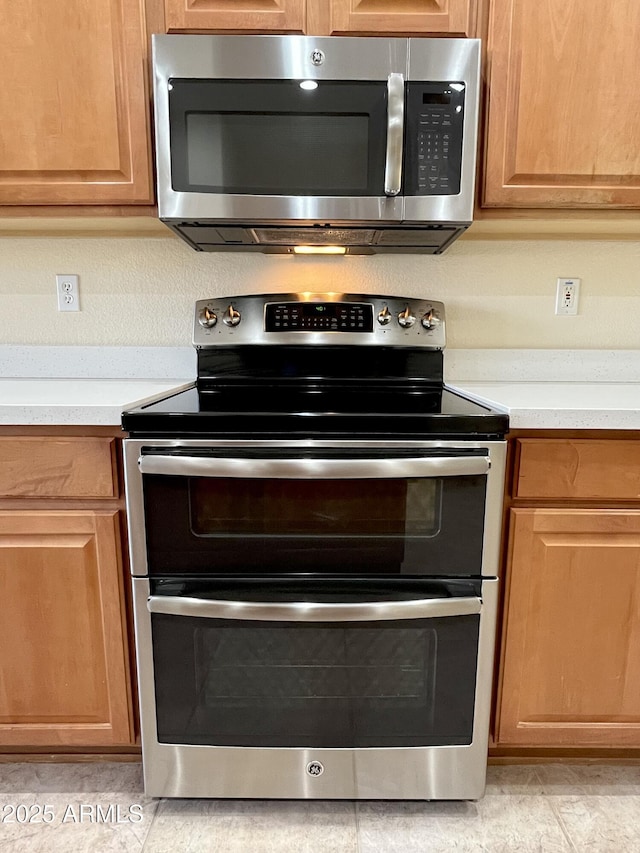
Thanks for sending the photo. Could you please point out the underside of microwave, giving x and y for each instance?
(429, 239)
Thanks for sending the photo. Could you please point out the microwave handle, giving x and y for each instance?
(395, 134)
(303, 611)
(311, 469)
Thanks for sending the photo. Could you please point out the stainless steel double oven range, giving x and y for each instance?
(314, 531)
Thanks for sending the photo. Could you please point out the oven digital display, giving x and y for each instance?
(318, 317)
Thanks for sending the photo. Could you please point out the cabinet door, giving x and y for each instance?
(453, 17)
(235, 15)
(64, 676)
(571, 659)
(563, 121)
(73, 103)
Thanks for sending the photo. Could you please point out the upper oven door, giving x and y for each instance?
(337, 511)
(279, 128)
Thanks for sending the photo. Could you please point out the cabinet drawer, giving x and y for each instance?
(582, 469)
(47, 467)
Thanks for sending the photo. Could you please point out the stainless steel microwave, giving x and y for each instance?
(305, 144)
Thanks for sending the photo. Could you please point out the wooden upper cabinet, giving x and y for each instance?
(323, 17)
(235, 15)
(74, 103)
(563, 117)
(448, 17)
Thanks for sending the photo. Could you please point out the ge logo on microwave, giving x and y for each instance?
(315, 768)
(317, 57)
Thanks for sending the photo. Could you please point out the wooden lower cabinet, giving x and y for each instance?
(64, 672)
(571, 654)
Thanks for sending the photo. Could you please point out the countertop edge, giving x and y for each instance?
(134, 392)
(549, 413)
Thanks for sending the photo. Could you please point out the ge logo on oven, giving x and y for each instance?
(317, 56)
(315, 768)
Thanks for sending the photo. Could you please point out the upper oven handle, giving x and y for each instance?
(395, 134)
(310, 468)
(303, 611)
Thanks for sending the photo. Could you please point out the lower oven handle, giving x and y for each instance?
(271, 611)
(310, 468)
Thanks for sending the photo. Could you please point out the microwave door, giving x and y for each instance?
(270, 150)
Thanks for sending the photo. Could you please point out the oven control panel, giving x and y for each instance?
(319, 318)
(356, 317)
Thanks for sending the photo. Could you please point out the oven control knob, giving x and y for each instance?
(231, 316)
(207, 318)
(406, 318)
(429, 321)
(384, 317)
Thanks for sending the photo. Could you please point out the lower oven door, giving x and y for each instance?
(280, 688)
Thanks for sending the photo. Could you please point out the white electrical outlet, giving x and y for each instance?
(567, 293)
(68, 296)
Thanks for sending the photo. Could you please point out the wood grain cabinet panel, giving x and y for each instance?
(42, 467)
(74, 103)
(563, 118)
(323, 17)
(571, 659)
(63, 661)
(235, 15)
(578, 469)
(450, 17)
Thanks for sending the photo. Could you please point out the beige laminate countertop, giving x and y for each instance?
(77, 402)
(603, 391)
(530, 405)
(560, 405)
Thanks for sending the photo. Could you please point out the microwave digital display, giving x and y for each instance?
(436, 97)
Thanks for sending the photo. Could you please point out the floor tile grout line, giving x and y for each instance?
(540, 780)
(551, 800)
(158, 802)
(356, 810)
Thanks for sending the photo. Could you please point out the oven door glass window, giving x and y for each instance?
(261, 137)
(235, 682)
(410, 525)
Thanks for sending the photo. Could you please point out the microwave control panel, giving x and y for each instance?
(433, 156)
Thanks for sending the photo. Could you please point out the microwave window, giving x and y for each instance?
(270, 153)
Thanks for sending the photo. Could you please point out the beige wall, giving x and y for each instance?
(497, 294)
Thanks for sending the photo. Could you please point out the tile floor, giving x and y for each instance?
(100, 807)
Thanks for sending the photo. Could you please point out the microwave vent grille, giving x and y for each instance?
(315, 236)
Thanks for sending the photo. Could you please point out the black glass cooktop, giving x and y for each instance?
(266, 410)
